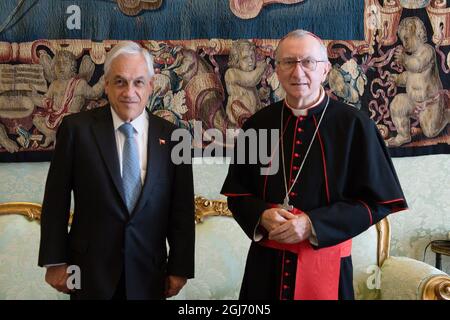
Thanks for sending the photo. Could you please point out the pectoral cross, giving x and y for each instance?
(286, 205)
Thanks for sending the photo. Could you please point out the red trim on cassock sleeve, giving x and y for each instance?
(391, 201)
(395, 205)
(368, 209)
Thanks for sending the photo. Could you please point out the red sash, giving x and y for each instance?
(318, 270)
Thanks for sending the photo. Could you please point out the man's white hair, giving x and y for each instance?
(128, 47)
(300, 33)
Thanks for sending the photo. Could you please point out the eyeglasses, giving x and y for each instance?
(307, 64)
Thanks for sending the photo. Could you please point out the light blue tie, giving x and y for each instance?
(131, 173)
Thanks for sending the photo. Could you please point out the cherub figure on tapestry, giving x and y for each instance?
(187, 88)
(168, 99)
(241, 79)
(68, 91)
(425, 98)
(348, 82)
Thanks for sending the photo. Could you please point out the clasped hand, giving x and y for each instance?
(285, 227)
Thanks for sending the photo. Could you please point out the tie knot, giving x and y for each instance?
(127, 129)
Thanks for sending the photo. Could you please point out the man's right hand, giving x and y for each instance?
(274, 217)
(56, 276)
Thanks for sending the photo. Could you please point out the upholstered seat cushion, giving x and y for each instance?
(403, 278)
(20, 276)
(220, 252)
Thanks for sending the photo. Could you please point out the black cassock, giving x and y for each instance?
(347, 184)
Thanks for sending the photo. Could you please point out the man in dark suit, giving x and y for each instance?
(131, 201)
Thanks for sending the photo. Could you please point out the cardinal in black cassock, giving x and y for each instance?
(347, 183)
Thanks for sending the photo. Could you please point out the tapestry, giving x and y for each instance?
(214, 64)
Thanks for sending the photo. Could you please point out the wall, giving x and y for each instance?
(425, 181)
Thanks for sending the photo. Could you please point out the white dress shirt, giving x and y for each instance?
(141, 125)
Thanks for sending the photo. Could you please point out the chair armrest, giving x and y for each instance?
(404, 278)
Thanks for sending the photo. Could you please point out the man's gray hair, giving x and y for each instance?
(128, 47)
(298, 34)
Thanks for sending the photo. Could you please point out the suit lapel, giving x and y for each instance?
(103, 131)
(154, 159)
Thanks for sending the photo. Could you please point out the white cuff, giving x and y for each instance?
(313, 237)
(257, 235)
(54, 264)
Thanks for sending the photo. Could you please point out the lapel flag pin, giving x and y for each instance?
(162, 141)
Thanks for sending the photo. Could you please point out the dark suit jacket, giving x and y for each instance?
(104, 237)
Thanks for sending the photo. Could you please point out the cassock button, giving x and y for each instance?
(301, 118)
(286, 274)
(285, 287)
(296, 155)
(295, 168)
(293, 194)
(298, 142)
(300, 130)
(287, 261)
